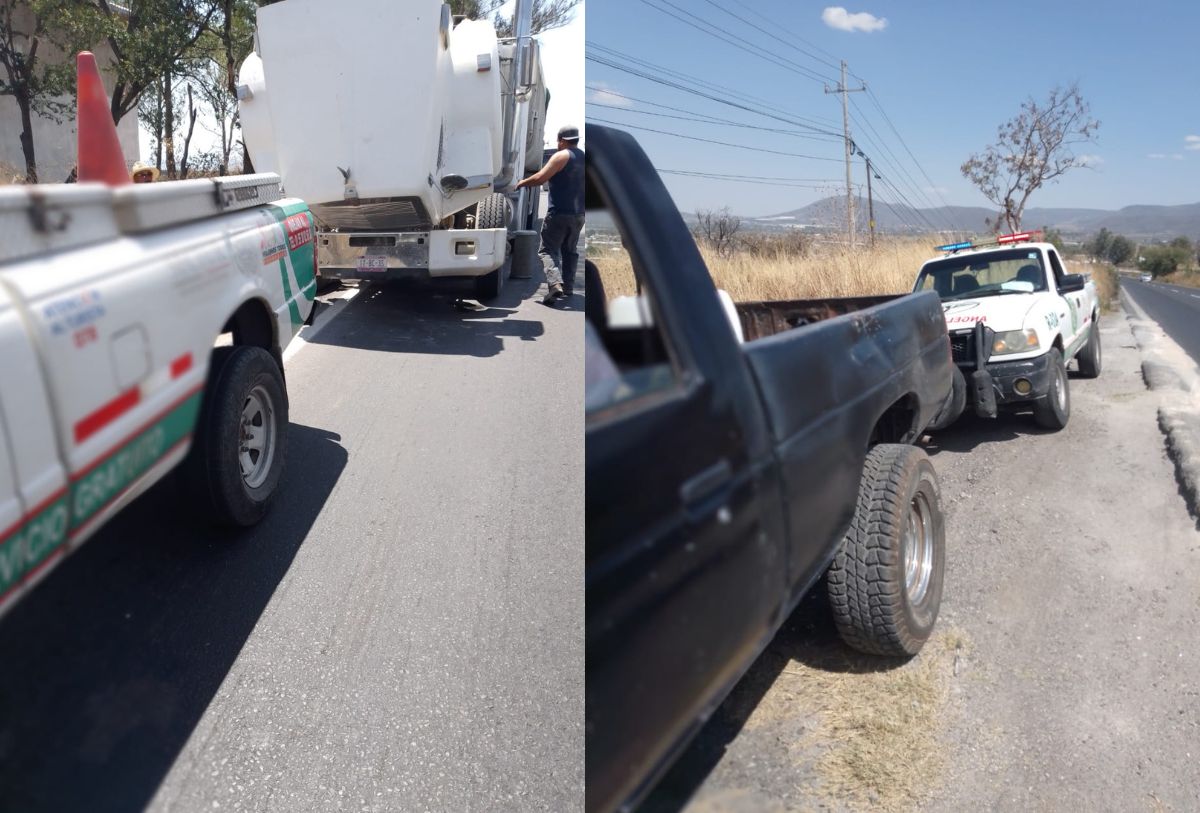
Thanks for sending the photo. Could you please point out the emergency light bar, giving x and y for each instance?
(1001, 240)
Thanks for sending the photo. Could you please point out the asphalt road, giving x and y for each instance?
(1070, 596)
(403, 632)
(1176, 308)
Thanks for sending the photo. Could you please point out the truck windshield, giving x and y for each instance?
(1016, 271)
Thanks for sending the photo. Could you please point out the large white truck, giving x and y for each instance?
(406, 130)
(1016, 320)
(141, 328)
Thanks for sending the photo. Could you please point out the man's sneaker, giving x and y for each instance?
(555, 293)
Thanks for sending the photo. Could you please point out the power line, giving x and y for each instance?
(701, 118)
(712, 141)
(875, 100)
(613, 53)
(734, 40)
(597, 54)
(773, 36)
(767, 180)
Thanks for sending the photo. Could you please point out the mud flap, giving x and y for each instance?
(981, 380)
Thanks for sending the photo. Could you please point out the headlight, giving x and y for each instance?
(1015, 341)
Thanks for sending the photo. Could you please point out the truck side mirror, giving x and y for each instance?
(1071, 283)
(527, 67)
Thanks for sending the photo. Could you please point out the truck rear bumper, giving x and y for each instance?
(430, 256)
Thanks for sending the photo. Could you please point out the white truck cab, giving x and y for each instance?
(1016, 319)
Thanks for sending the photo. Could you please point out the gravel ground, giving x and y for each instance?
(1072, 580)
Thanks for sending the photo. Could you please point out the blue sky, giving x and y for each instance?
(946, 72)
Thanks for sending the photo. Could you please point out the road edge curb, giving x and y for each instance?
(1178, 418)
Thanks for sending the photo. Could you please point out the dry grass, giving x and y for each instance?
(823, 271)
(1107, 286)
(1189, 278)
(879, 731)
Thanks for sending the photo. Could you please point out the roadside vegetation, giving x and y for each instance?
(755, 266)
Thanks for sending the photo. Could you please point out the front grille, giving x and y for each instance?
(962, 346)
(373, 214)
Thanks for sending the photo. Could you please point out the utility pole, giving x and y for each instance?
(844, 91)
(870, 202)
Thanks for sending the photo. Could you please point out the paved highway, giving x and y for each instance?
(1174, 307)
(403, 632)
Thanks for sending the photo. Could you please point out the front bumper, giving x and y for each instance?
(427, 255)
(1006, 374)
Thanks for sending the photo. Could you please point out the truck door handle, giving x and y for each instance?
(708, 489)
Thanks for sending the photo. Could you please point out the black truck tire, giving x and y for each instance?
(1053, 411)
(1089, 356)
(245, 400)
(492, 212)
(885, 583)
(952, 410)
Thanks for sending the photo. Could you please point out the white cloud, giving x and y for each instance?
(1158, 156)
(1090, 160)
(601, 93)
(837, 17)
(1191, 142)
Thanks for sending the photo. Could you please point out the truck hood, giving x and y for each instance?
(1005, 312)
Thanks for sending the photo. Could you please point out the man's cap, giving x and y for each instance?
(568, 133)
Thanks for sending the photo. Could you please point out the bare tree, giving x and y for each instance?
(719, 229)
(1031, 150)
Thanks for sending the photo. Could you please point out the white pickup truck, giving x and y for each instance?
(1016, 319)
(112, 302)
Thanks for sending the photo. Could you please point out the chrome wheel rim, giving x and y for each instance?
(918, 550)
(1060, 392)
(256, 443)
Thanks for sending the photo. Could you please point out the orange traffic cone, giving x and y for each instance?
(100, 157)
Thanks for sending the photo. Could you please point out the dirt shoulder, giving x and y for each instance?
(1065, 675)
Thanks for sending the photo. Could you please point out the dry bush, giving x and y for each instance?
(792, 269)
(1107, 286)
(1190, 279)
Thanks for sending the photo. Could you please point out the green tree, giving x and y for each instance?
(1054, 237)
(35, 38)
(1098, 247)
(1163, 260)
(1032, 149)
(1120, 250)
(149, 43)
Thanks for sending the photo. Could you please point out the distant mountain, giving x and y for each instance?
(1145, 222)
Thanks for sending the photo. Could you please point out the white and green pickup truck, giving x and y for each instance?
(142, 328)
(1016, 320)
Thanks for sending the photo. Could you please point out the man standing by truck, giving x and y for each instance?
(564, 215)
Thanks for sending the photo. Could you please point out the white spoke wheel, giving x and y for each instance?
(240, 445)
(1090, 360)
(258, 432)
(885, 583)
(1054, 410)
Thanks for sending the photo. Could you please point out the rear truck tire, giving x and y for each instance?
(240, 447)
(885, 583)
(1089, 356)
(955, 404)
(1054, 410)
(492, 213)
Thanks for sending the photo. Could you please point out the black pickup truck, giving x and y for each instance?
(727, 473)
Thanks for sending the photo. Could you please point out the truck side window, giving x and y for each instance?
(626, 353)
(1057, 266)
